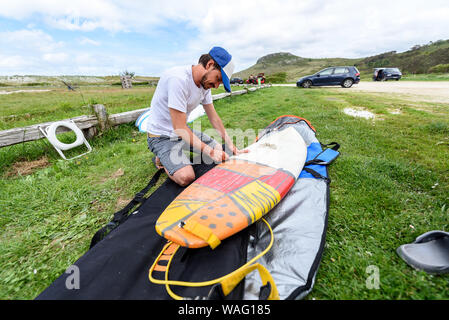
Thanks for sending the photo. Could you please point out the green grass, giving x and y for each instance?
(389, 185)
(427, 77)
(27, 108)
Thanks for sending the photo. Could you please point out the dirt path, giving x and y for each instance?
(20, 91)
(428, 91)
(431, 91)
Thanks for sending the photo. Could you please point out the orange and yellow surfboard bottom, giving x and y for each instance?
(223, 201)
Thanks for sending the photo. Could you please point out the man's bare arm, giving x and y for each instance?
(216, 122)
(182, 130)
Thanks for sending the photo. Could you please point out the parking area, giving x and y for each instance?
(429, 91)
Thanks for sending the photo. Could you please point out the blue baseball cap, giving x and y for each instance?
(224, 60)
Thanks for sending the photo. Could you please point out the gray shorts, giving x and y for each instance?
(170, 151)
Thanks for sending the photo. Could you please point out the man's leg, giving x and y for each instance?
(183, 176)
(169, 154)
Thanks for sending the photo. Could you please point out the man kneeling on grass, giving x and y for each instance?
(179, 91)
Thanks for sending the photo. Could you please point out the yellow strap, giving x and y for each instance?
(233, 279)
(227, 283)
(202, 232)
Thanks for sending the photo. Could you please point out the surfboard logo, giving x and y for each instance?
(256, 198)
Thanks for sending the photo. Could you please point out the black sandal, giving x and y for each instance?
(429, 252)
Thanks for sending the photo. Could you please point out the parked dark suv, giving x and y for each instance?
(236, 80)
(384, 74)
(343, 76)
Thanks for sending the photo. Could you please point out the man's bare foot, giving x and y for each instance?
(157, 163)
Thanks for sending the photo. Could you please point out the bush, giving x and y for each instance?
(280, 77)
(438, 126)
(37, 84)
(439, 68)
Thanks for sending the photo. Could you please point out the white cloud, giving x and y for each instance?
(57, 57)
(87, 41)
(248, 29)
(9, 62)
(27, 40)
(85, 15)
(322, 28)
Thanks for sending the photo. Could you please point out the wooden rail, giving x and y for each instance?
(90, 123)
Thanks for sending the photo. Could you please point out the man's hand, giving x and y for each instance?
(217, 154)
(236, 151)
(218, 125)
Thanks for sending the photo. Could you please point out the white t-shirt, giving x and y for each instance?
(175, 89)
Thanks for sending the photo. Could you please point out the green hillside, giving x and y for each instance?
(292, 65)
(420, 59)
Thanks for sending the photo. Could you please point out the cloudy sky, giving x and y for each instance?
(105, 37)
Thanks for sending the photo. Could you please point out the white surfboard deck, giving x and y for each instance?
(283, 149)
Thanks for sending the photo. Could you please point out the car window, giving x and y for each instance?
(326, 72)
(341, 70)
(392, 70)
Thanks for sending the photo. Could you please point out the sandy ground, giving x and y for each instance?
(432, 91)
(19, 91)
(429, 91)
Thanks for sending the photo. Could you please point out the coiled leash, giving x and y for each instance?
(227, 282)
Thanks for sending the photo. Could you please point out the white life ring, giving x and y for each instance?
(51, 135)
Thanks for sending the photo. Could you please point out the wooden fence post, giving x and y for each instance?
(102, 116)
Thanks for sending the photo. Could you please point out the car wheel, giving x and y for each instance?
(347, 83)
(307, 84)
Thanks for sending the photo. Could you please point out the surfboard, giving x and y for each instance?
(236, 193)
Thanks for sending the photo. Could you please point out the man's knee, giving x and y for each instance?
(184, 176)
